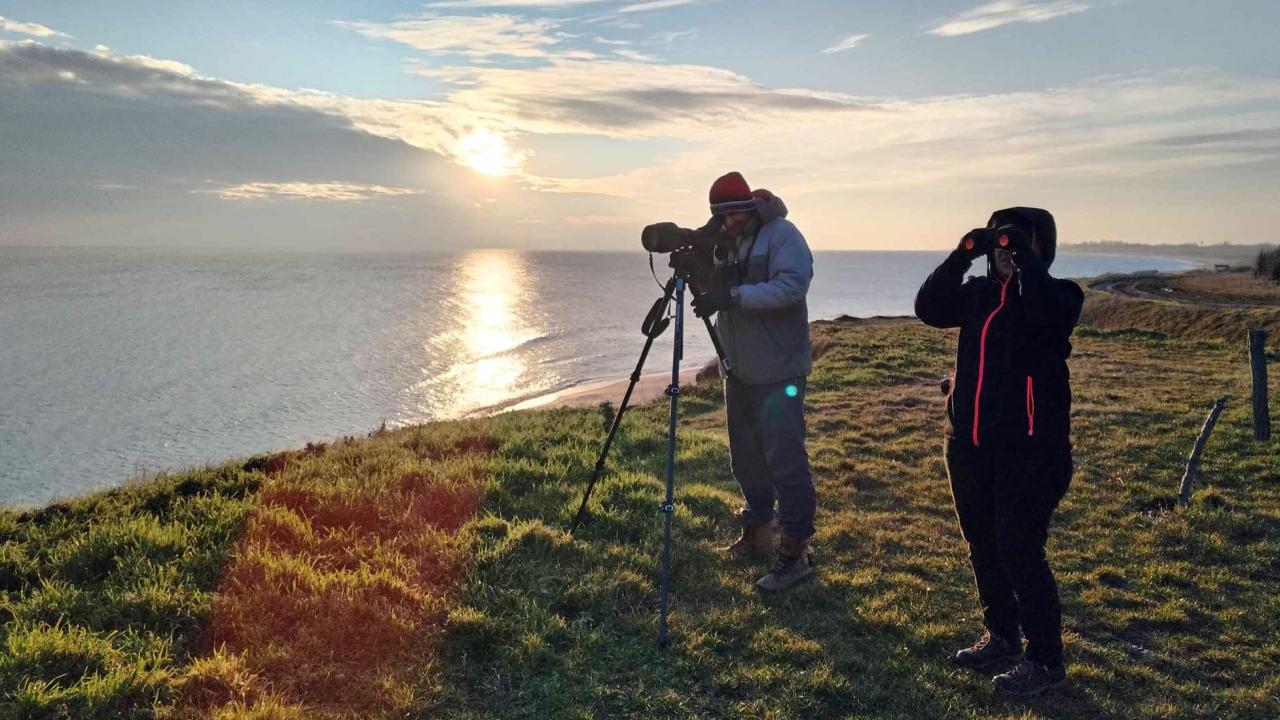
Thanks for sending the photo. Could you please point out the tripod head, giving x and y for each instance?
(700, 256)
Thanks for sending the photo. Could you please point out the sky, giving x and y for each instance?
(569, 124)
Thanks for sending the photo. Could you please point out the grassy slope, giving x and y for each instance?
(1168, 613)
(1203, 306)
(103, 599)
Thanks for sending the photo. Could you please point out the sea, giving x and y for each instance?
(123, 363)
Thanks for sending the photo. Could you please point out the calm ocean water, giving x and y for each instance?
(120, 362)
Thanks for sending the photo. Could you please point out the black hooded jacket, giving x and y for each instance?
(1010, 387)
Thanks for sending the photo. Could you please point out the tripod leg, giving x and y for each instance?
(608, 441)
(668, 505)
(653, 327)
(715, 342)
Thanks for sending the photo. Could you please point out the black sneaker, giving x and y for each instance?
(1030, 678)
(989, 650)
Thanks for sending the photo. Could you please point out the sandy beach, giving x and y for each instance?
(650, 387)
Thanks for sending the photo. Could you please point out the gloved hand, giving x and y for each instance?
(1012, 238)
(711, 302)
(1025, 258)
(974, 244)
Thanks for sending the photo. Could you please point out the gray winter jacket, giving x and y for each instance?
(766, 335)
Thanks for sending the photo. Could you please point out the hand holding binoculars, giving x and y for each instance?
(980, 241)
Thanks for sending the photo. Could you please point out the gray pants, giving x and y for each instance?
(769, 460)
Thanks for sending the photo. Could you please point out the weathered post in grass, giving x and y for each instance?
(1261, 411)
(1192, 474)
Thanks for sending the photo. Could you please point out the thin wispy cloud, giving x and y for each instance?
(473, 36)
(553, 4)
(635, 55)
(670, 37)
(322, 191)
(996, 14)
(29, 28)
(471, 4)
(655, 5)
(847, 44)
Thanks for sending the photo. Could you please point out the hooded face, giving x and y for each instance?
(1036, 223)
(1002, 263)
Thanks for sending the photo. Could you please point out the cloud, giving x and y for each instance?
(620, 98)
(846, 44)
(145, 61)
(82, 127)
(654, 5)
(554, 4)
(1253, 138)
(473, 36)
(670, 37)
(1106, 129)
(29, 28)
(471, 4)
(635, 55)
(995, 14)
(326, 191)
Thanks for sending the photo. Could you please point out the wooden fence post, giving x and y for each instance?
(1261, 408)
(1192, 474)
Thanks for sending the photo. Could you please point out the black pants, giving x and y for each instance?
(1004, 501)
(768, 456)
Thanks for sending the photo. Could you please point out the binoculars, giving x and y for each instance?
(1005, 237)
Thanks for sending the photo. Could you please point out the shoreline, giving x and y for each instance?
(651, 386)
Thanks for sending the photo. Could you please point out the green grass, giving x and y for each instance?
(1169, 613)
(103, 598)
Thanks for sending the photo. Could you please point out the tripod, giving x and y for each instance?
(655, 323)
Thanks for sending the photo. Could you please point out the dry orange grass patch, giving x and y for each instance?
(335, 598)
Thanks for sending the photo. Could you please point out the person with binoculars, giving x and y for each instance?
(1007, 434)
(762, 321)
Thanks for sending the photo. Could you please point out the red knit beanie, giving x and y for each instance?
(731, 193)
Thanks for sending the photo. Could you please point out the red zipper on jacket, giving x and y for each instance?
(982, 358)
(1031, 407)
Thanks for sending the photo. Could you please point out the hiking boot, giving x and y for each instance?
(989, 650)
(794, 565)
(756, 542)
(1030, 678)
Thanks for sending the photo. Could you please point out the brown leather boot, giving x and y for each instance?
(794, 566)
(755, 543)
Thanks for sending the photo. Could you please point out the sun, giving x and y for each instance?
(488, 152)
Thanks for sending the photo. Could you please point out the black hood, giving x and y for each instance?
(1036, 223)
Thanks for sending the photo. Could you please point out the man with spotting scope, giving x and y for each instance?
(762, 321)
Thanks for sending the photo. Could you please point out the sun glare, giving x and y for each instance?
(488, 152)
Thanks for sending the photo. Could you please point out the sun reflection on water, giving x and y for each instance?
(490, 291)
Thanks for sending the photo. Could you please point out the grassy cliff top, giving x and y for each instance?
(427, 572)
